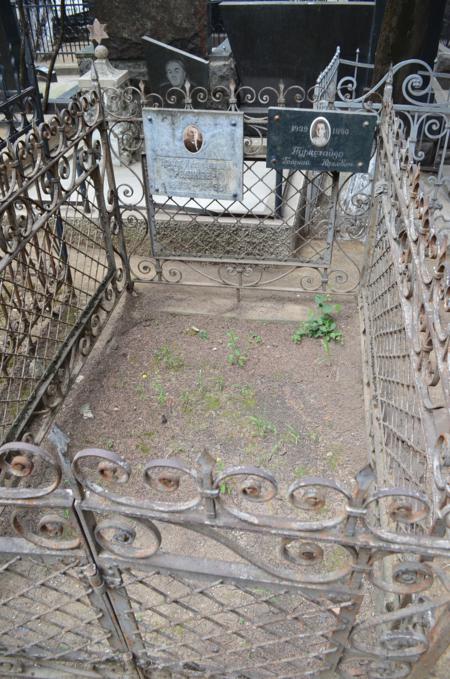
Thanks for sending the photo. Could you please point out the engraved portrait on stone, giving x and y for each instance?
(192, 138)
(175, 72)
(320, 132)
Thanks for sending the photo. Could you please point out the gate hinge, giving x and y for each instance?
(112, 578)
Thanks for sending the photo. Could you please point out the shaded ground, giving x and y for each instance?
(164, 387)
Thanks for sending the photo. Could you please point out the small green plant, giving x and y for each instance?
(224, 487)
(220, 383)
(261, 426)
(292, 436)
(140, 391)
(236, 356)
(248, 396)
(300, 471)
(321, 324)
(203, 334)
(186, 402)
(212, 401)
(161, 393)
(168, 358)
(143, 447)
(314, 437)
(255, 338)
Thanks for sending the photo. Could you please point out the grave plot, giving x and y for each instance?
(170, 385)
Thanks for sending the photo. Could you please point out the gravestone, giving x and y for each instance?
(171, 67)
(175, 22)
(293, 41)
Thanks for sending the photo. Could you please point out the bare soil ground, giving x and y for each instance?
(164, 386)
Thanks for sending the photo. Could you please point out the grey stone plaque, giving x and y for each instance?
(301, 139)
(199, 154)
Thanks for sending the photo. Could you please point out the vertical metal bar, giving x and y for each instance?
(111, 620)
(113, 192)
(151, 218)
(278, 192)
(439, 641)
(348, 614)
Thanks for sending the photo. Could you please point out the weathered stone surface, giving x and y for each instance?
(443, 60)
(175, 22)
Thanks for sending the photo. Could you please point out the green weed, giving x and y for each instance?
(143, 448)
(321, 324)
(255, 338)
(292, 436)
(301, 471)
(236, 356)
(161, 394)
(212, 401)
(186, 402)
(248, 397)
(224, 487)
(166, 357)
(261, 426)
(203, 334)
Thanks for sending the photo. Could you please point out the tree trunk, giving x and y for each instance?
(410, 30)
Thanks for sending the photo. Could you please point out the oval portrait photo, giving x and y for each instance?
(320, 132)
(192, 138)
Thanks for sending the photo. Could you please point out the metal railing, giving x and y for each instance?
(276, 578)
(59, 278)
(44, 20)
(421, 102)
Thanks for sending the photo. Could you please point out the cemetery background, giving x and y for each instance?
(159, 599)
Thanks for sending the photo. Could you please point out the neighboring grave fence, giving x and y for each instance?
(46, 24)
(421, 102)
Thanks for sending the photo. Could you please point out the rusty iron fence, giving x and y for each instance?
(62, 260)
(291, 231)
(167, 569)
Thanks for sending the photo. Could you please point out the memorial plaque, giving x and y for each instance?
(198, 154)
(301, 139)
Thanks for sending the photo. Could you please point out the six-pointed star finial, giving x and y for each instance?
(97, 31)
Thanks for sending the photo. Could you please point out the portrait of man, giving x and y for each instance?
(192, 138)
(320, 132)
(175, 72)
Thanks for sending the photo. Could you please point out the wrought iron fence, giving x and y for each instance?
(421, 102)
(120, 569)
(59, 279)
(283, 234)
(46, 25)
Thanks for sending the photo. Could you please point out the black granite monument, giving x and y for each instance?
(294, 41)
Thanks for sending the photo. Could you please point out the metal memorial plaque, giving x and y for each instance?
(301, 139)
(198, 154)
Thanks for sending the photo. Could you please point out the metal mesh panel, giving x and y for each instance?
(404, 460)
(281, 218)
(45, 287)
(45, 611)
(229, 629)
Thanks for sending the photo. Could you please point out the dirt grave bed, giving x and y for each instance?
(169, 385)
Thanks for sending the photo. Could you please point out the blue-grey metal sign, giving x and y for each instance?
(336, 141)
(198, 154)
